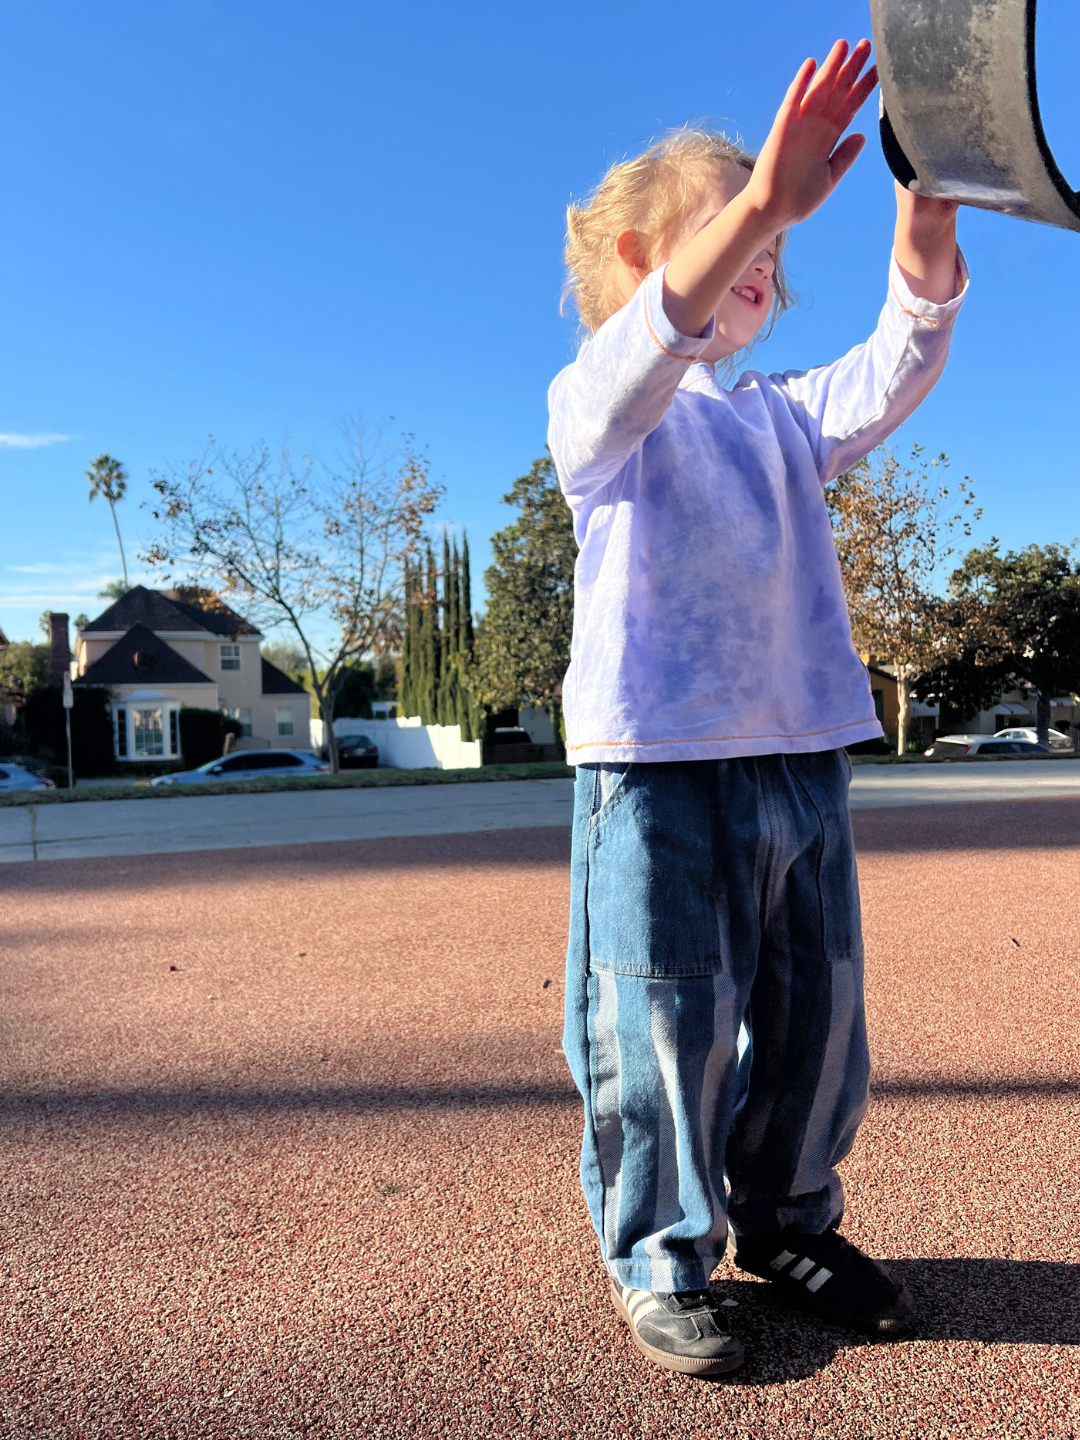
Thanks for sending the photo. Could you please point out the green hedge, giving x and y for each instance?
(202, 735)
(91, 730)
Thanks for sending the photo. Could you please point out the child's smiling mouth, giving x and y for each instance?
(750, 293)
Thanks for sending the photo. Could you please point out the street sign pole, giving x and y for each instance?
(69, 701)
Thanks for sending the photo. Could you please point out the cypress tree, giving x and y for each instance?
(437, 646)
(430, 631)
(447, 667)
(466, 597)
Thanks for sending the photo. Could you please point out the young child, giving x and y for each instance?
(712, 688)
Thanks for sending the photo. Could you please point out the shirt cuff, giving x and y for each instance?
(926, 309)
(664, 334)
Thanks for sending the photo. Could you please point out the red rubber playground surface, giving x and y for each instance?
(290, 1150)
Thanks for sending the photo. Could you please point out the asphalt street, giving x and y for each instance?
(84, 829)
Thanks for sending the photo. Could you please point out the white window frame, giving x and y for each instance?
(281, 712)
(124, 711)
(243, 714)
(228, 655)
(161, 731)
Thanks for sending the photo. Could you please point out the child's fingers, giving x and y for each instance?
(863, 90)
(825, 79)
(857, 98)
(798, 87)
(856, 60)
(844, 156)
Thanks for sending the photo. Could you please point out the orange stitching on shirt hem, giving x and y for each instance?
(957, 284)
(717, 739)
(914, 313)
(656, 338)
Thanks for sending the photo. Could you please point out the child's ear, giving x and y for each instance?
(633, 253)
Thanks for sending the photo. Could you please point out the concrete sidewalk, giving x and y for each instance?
(229, 822)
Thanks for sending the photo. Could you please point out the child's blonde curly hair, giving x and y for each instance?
(652, 195)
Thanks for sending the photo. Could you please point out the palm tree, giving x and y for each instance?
(109, 478)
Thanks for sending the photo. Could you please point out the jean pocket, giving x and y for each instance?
(608, 787)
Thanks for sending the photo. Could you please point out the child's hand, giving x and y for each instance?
(802, 162)
(800, 166)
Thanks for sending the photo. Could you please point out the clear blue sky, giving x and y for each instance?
(248, 219)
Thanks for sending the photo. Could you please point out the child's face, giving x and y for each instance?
(748, 304)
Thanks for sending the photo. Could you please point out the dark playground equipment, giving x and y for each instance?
(960, 109)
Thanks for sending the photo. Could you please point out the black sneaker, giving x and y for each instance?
(683, 1332)
(829, 1276)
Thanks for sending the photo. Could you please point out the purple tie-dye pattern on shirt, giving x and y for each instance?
(709, 612)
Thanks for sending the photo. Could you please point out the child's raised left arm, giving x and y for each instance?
(854, 404)
(925, 245)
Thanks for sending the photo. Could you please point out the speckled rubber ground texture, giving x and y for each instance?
(289, 1149)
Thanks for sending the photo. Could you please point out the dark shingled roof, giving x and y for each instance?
(276, 682)
(159, 664)
(185, 609)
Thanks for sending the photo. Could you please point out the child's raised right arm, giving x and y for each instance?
(619, 388)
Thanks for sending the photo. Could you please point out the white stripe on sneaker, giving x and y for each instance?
(802, 1268)
(819, 1279)
(784, 1258)
(642, 1303)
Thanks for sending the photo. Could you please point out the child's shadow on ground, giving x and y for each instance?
(1002, 1302)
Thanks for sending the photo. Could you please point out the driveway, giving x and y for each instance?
(229, 822)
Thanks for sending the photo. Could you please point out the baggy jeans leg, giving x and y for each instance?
(652, 1021)
(806, 1071)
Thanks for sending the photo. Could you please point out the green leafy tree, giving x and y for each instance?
(108, 478)
(523, 641)
(1033, 599)
(976, 671)
(113, 590)
(25, 666)
(893, 534)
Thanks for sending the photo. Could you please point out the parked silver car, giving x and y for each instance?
(1058, 741)
(17, 777)
(248, 765)
(968, 747)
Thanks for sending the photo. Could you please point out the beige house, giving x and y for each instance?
(159, 651)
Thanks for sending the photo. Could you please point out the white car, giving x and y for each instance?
(16, 777)
(1058, 741)
(967, 747)
(248, 765)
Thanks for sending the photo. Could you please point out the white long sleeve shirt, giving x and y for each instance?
(709, 617)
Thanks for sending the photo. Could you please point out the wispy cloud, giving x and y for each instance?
(71, 583)
(11, 440)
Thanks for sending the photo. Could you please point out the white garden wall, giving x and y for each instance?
(409, 745)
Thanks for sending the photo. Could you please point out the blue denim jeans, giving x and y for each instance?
(714, 1005)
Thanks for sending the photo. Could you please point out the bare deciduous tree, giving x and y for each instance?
(316, 549)
(893, 535)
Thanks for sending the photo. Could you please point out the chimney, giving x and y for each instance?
(60, 656)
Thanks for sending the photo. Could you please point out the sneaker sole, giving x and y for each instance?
(683, 1364)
